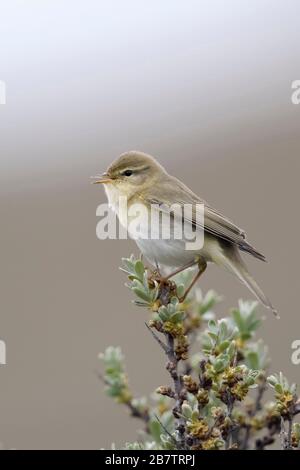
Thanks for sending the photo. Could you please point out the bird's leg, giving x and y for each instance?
(183, 268)
(202, 265)
(155, 273)
(167, 288)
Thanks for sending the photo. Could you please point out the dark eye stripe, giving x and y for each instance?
(129, 172)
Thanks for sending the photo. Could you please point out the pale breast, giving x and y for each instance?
(136, 219)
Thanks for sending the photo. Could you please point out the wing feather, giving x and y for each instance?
(172, 191)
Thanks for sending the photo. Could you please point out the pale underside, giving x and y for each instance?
(171, 253)
(222, 239)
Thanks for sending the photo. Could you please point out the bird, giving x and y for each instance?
(141, 179)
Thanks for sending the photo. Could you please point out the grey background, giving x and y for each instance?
(205, 87)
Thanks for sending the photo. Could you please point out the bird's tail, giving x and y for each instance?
(233, 262)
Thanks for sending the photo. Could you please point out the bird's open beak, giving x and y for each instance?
(101, 179)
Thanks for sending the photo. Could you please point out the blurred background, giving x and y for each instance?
(205, 86)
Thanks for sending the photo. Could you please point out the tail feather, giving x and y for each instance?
(245, 246)
(234, 263)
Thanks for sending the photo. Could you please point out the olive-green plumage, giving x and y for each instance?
(142, 179)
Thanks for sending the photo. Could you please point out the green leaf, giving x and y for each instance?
(239, 321)
(187, 411)
(253, 360)
(177, 317)
(180, 290)
(155, 429)
(272, 380)
(174, 301)
(223, 330)
(195, 415)
(232, 349)
(224, 345)
(138, 303)
(219, 365)
(212, 335)
(139, 268)
(141, 294)
(128, 265)
(212, 326)
(163, 313)
(210, 300)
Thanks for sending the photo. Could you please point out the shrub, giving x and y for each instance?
(214, 365)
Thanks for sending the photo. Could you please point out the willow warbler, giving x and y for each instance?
(140, 179)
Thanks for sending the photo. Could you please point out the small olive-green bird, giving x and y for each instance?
(141, 179)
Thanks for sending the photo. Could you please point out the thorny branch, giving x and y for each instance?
(205, 408)
(172, 368)
(257, 407)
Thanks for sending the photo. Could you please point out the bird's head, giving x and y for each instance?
(131, 173)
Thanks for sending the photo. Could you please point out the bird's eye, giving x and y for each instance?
(127, 173)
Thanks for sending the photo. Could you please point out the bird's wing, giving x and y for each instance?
(172, 191)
